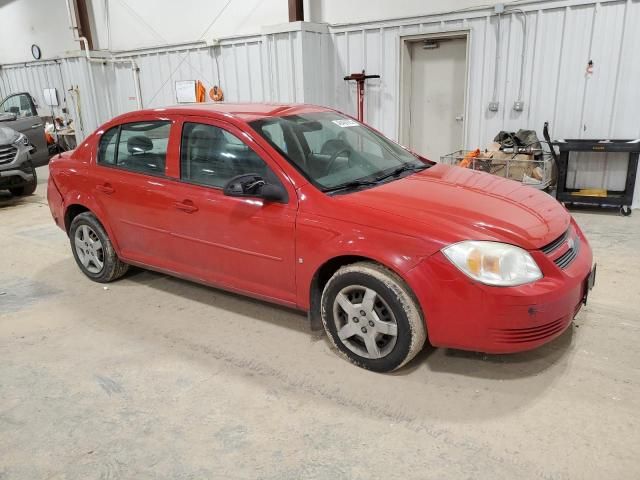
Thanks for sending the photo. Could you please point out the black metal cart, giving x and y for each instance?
(623, 198)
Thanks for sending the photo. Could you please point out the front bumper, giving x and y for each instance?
(462, 313)
(17, 171)
(14, 178)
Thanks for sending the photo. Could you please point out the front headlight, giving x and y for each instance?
(494, 263)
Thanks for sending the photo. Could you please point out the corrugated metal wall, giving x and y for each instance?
(308, 64)
(34, 78)
(562, 37)
(252, 69)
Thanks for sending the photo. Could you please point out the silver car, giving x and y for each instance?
(17, 172)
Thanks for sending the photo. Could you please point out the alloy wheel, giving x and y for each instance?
(364, 321)
(89, 249)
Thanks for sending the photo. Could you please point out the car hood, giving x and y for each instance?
(454, 204)
(7, 135)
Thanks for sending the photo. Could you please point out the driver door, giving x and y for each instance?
(241, 243)
(27, 122)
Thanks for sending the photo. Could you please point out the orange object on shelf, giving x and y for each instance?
(468, 158)
(216, 94)
(201, 92)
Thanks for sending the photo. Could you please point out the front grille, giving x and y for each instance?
(531, 334)
(569, 256)
(7, 153)
(547, 249)
(573, 244)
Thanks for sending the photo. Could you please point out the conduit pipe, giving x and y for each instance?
(523, 52)
(134, 67)
(85, 43)
(494, 105)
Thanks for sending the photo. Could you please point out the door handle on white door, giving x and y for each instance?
(459, 118)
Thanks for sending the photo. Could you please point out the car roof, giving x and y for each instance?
(244, 111)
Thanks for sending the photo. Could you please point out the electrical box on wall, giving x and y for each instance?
(493, 106)
(518, 106)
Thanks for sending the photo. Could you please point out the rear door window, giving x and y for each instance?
(139, 147)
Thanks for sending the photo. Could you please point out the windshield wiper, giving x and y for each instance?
(404, 168)
(367, 183)
(350, 185)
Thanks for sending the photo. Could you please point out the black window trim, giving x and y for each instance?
(216, 124)
(124, 169)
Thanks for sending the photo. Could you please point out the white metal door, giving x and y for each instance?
(437, 97)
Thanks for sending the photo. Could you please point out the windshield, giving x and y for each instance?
(336, 152)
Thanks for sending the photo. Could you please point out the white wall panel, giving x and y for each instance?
(41, 22)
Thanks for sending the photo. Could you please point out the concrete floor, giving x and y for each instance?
(158, 378)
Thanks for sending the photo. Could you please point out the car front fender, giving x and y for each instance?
(323, 244)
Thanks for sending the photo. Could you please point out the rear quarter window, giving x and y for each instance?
(107, 147)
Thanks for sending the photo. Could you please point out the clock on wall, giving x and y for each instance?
(35, 51)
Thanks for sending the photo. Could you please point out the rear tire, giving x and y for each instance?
(371, 317)
(27, 189)
(93, 251)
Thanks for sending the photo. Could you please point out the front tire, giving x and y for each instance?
(93, 250)
(371, 317)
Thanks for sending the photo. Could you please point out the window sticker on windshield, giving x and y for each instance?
(346, 123)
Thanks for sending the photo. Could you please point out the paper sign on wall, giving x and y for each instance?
(50, 97)
(186, 91)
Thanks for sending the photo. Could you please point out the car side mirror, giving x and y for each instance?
(253, 185)
(8, 117)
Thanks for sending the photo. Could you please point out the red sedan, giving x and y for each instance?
(306, 207)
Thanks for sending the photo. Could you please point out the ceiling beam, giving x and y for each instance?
(296, 11)
(82, 21)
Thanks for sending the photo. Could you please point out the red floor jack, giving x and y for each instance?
(360, 78)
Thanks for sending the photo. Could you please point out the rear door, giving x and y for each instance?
(245, 244)
(129, 183)
(28, 122)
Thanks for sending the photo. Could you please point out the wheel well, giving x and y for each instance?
(320, 279)
(72, 212)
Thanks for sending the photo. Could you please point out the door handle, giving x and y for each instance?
(187, 206)
(105, 188)
(459, 118)
(36, 125)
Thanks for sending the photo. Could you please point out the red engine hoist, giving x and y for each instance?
(360, 78)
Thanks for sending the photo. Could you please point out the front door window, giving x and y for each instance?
(20, 104)
(211, 156)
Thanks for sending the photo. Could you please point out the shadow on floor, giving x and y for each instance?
(459, 362)
(484, 386)
(221, 299)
